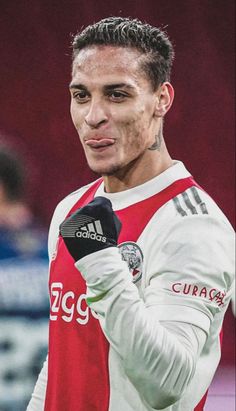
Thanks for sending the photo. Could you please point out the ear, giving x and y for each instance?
(165, 97)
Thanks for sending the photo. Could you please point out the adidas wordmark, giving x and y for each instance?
(92, 236)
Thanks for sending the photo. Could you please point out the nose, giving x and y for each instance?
(96, 116)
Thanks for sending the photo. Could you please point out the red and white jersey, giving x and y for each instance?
(143, 331)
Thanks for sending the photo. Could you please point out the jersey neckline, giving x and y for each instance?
(126, 198)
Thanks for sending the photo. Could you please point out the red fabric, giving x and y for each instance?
(200, 406)
(135, 215)
(78, 350)
(78, 353)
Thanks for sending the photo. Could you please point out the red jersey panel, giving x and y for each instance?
(78, 373)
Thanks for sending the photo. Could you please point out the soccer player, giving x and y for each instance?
(141, 259)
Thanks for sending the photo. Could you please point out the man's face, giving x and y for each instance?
(112, 107)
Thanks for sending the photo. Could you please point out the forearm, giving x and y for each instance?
(158, 361)
(38, 397)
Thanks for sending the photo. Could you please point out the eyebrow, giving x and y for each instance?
(77, 86)
(118, 85)
(107, 87)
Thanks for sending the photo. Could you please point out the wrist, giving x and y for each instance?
(103, 269)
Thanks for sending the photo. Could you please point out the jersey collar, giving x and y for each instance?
(155, 185)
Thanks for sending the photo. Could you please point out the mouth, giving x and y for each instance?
(100, 143)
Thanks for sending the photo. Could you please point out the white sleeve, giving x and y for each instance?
(159, 338)
(38, 397)
(158, 358)
(191, 271)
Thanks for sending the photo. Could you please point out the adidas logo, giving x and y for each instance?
(92, 230)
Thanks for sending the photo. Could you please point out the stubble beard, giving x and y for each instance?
(106, 170)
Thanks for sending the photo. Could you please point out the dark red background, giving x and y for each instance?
(35, 58)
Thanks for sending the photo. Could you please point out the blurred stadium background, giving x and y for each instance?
(35, 121)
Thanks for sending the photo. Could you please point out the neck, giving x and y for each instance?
(138, 172)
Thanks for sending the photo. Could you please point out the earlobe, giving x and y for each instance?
(165, 97)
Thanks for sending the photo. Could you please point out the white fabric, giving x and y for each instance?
(164, 341)
(158, 362)
(39, 394)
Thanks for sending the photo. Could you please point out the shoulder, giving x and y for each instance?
(60, 213)
(190, 231)
(195, 201)
(65, 205)
(191, 207)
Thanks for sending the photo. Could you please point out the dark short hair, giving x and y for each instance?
(125, 32)
(11, 174)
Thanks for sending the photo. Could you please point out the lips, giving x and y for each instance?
(97, 143)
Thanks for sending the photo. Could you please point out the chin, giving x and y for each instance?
(104, 170)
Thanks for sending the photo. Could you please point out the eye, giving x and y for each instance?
(117, 96)
(81, 96)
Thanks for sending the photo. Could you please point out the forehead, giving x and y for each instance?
(108, 62)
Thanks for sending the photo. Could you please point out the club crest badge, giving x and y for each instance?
(132, 254)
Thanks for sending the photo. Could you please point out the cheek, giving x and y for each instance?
(135, 129)
(76, 115)
(73, 113)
